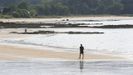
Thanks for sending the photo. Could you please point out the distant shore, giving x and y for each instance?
(55, 22)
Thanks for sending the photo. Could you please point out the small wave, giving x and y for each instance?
(35, 44)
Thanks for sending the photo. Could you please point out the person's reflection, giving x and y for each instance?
(81, 65)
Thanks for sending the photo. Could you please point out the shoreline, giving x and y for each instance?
(18, 52)
(57, 22)
(71, 18)
(8, 52)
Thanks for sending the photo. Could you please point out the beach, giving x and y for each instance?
(47, 20)
(14, 52)
(22, 52)
(18, 53)
(109, 53)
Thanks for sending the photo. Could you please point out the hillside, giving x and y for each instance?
(66, 7)
(5, 3)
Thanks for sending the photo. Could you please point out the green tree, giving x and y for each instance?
(56, 9)
(116, 8)
(22, 13)
(23, 5)
(23, 10)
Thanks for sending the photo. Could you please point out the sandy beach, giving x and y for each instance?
(18, 53)
(12, 52)
(8, 52)
(53, 20)
(50, 54)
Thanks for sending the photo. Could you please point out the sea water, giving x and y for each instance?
(113, 41)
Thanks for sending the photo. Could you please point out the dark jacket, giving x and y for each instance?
(81, 49)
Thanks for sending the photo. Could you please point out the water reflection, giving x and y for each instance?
(81, 65)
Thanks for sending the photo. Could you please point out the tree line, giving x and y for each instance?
(68, 7)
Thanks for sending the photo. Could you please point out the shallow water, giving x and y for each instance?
(67, 68)
(113, 41)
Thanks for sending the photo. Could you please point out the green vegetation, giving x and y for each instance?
(35, 8)
(5, 16)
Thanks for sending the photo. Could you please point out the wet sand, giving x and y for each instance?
(66, 68)
(17, 53)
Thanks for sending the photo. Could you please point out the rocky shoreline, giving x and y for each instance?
(54, 32)
(56, 25)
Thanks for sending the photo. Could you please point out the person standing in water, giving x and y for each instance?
(81, 55)
(25, 30)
